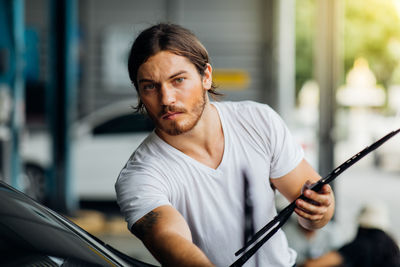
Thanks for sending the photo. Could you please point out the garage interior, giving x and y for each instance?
(63, 61)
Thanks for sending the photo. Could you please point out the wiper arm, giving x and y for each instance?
(274, 225)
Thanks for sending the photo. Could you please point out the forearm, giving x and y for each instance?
(171, 249)
(167, 236)
(330, 259)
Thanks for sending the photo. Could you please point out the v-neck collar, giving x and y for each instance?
(194, 161)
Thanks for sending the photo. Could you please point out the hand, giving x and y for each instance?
(317, 207)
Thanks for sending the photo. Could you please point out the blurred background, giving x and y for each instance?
(331, 69)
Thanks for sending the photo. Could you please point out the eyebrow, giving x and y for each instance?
(170, 77)
(177, 74)
(144, 80)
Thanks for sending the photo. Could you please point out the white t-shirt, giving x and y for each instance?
(212, 200)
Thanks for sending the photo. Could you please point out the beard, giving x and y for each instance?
(177, 127)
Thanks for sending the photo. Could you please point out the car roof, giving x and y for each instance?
(123, 107)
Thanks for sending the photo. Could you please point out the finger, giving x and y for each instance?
(306, 185)
(319, 199)
(308, 216)
(310, 208)
(326, 189)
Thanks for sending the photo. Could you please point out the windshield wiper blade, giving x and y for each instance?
(274, 225)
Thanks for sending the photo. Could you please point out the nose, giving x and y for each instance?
(167, 95)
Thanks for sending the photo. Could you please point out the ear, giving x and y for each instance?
(207, 77)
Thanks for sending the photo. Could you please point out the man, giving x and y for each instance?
(372, 246)
(182, 189)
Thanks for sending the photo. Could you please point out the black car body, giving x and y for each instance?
(34, 235)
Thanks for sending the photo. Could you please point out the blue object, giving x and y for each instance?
(32, 66)
(12, 46)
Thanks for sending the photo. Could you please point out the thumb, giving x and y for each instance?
(306, 185)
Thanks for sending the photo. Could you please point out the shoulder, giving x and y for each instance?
(247, 105)
(247, 111)
(144, 162)
(143, 176)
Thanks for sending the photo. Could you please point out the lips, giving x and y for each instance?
(170, 112)
(170, 115)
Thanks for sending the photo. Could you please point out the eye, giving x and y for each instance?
(179, 80)
(149, 86)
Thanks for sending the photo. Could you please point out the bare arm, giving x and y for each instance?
(311, 215)
(167, 236)
(330, 259)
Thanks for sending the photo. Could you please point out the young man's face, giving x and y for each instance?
(173, 92)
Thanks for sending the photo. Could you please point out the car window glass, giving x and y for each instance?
(129, 123)
(31, 235)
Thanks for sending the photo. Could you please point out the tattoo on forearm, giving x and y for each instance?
(144, 225)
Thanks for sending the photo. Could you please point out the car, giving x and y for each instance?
(102, 143)
(33, 235)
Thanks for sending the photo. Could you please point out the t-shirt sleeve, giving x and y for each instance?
(286, 152)
(139, 192)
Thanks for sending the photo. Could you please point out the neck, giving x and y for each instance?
(203, 143)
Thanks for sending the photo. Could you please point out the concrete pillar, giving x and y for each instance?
(328, 72)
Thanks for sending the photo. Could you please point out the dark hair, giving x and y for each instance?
(167, 37)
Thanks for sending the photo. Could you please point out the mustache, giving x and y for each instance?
(169, 109)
